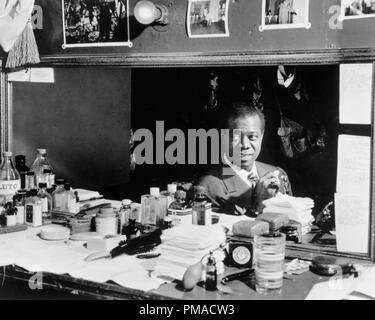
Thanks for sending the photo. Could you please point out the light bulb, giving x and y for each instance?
(146, 12)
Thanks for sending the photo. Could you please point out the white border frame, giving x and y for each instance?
(264, 26)
(217, 35)
(342, 16)
(97, 44)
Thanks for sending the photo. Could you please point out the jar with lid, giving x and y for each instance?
(179, 211)
(106, 222)
(30, 181)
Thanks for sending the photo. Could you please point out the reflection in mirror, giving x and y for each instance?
(300, 140)
(301, 108)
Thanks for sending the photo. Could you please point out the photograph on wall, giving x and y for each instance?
(355, 9)
(285, 14)
(101, 23)
(207, 18)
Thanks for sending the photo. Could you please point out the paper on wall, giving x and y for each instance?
(352, 217)
(352, 200)
(356, 93)
(353, 165)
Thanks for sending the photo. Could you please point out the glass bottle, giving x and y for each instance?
(153, 208)
(49, 177)
(69, 199)
(124, 214)
(22, 169)
(10, 181)
(46, 199)
(39, 165)
(170, 193)
(58, 195)
(30, 181)
(201, 207)
(33, 208)
(179, 211)
(211, 273)
(19, 203)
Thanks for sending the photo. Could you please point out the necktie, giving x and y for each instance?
(253, 179)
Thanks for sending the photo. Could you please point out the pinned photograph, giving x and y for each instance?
(285, 14)
(356, 9)
(100, 23)
(207, 18)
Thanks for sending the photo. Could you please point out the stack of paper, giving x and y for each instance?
(85, 195)
(184, 246)
(298, 209)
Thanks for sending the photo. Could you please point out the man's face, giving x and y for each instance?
(247, 139)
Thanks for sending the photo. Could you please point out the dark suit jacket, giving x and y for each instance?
(229, 193)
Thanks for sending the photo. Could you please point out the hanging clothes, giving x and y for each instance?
(14, 15)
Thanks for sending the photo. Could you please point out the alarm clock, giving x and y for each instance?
(240, 252)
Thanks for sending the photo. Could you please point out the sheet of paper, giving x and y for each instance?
(352, 218)
(353, 165)
(23, 75)
(356, 93)
(334, 289)
(43, 75)
(367, 284)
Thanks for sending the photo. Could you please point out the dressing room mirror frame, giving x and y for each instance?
(317, 57)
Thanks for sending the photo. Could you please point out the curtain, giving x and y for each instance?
(14, 15)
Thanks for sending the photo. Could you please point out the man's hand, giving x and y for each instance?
(266, 188)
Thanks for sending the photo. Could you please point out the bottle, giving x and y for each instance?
(124, 214)
(39, 165)
(201, 208)
(22, 169)
(153, 208)
(10, 181)
(49, 177)
(19, 203)
(30, 181)
(170, 193)
(46, 199)
(211, 273)
(33, 208)
(179, 211)
(69, 199)
(57, 195)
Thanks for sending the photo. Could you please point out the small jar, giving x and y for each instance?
(106, 222)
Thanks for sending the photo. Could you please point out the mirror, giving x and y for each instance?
(305, 97)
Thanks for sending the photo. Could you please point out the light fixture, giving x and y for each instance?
(146, 12)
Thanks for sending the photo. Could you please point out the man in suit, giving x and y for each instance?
(241, 188)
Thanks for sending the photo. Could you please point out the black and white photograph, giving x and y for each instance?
(357, 9)
(95, 23)
(208, 18)
(285, 14)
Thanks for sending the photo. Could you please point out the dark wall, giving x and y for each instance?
(83, 120)
(244, 21)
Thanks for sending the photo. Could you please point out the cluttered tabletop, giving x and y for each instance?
(183, 262)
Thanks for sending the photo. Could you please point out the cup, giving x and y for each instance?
(269, 257)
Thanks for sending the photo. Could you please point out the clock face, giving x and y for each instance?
(241, 255)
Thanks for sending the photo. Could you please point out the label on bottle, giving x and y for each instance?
(9, 187)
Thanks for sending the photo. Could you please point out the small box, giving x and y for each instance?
(275, 220)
